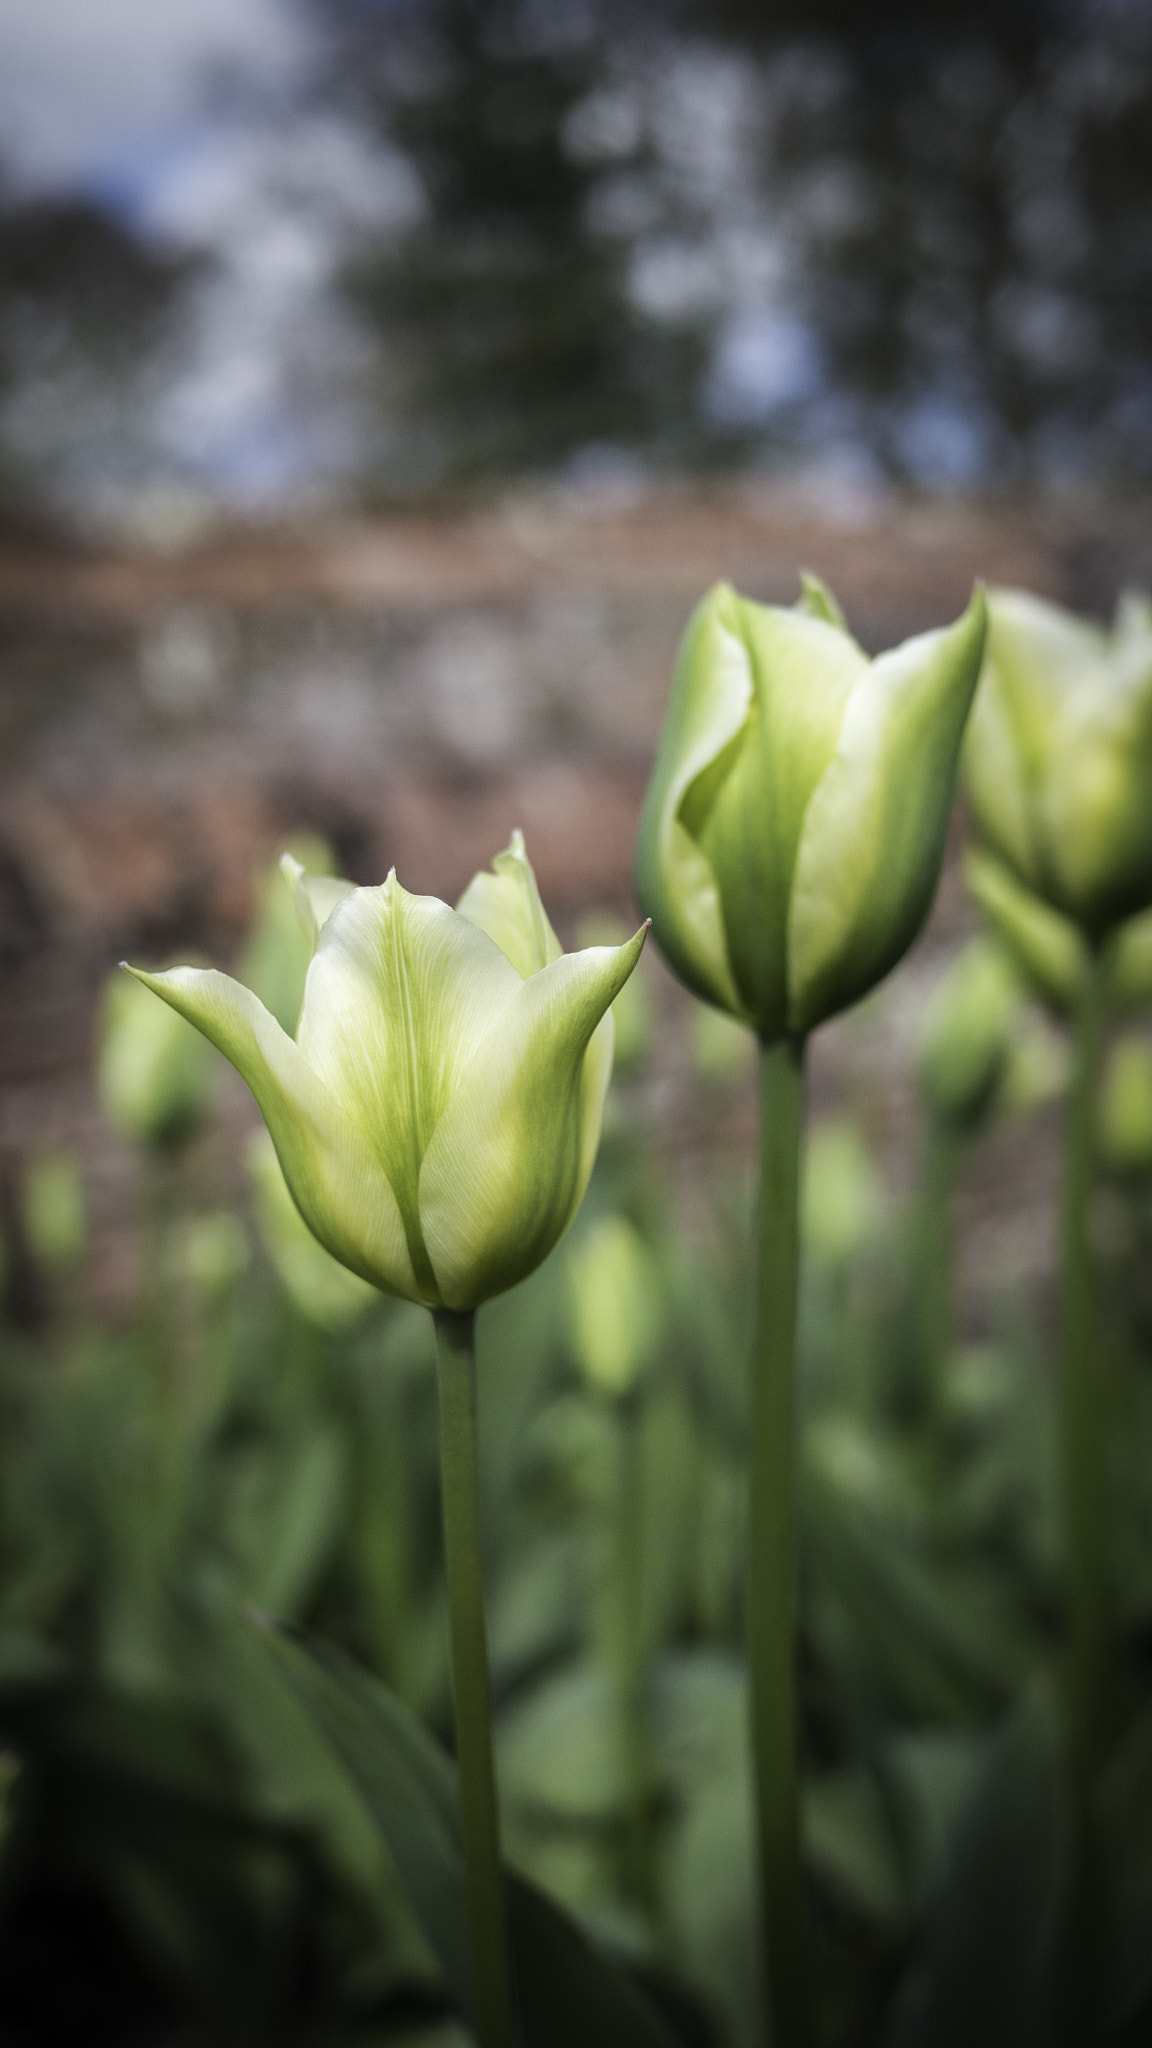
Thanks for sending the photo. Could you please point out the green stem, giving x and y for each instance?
(1082, 1435)
(471, 1691)
(933, 1228)
(631, 1657)
(771, 1563)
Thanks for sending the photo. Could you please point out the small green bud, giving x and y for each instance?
(55, 1212)
(153, 1072)
(967, 1035)
(1058, 757)
(723, 1049)
(437, 1115)
(614, 1295)
(843, 1198)
(1125, 1127)
(796, 818)
(324, 1291)
(208, 1253)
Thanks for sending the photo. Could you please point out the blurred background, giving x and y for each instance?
(382, 380)
(381, 383)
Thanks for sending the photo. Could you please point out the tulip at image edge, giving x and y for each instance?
(798, 810)
(1058, 755)
(438, 1113)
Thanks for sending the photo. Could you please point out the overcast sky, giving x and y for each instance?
(96, 91)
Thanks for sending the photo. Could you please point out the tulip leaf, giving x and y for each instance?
(569, 1993)
(988, 1967)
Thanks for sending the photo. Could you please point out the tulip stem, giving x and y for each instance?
(771, 1592)
(471, 1689)
(1082, 1409)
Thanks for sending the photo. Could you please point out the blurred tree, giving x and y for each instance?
(510, 339)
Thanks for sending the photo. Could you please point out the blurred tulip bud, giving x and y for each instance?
(275, 961)
(1058, 758)
(843, 1197)
(1125, 1128)
(1050, 949)
(324, 1291)
(153, 1072)
(614, 1295)
(55, 1214)
(797, 814)
(437, 1116)
(967, 1034)
(632, 1009)
(723, 1049)
(1037, 1068)
(208, 1253)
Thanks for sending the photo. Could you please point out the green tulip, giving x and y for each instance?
(797, 814)
(437, 1115)
(1058, 758)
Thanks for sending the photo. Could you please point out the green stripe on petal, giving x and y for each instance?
(337, 1181)
(399, 995)
(510, 1159)
(875, 829)
(506, 904)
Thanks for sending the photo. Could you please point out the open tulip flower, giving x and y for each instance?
(798, 809)
(438, 1113)
(1058, 757)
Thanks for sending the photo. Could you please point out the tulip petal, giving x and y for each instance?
(874, 832)
(510, 1158)
(400, 993)
(316, 896)
(709, 705)
(1047, 944)
(749, 821)
(506, 904)
(336, 1179)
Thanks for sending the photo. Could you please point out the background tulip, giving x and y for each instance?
(437, 1115)
(796, 819)
(1058, 757)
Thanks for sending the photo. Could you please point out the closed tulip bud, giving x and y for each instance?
(796, 819)
(1050, 949)
(1058, 758)
(437, 1114)
(55, 1212)
(967, 1035)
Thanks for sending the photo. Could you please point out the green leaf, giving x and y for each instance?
(989, 1961)
(570, 1995)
